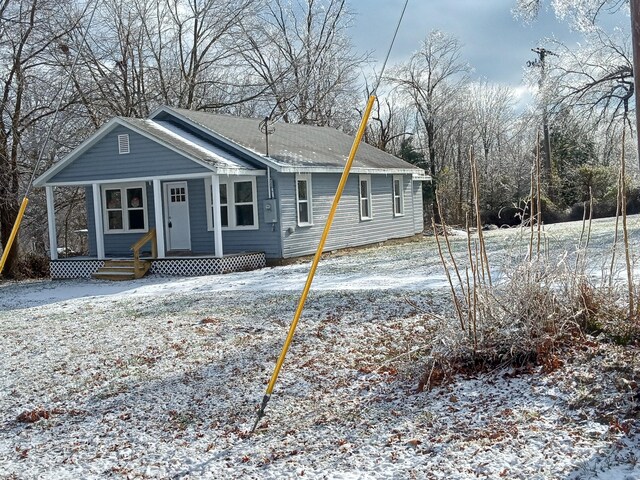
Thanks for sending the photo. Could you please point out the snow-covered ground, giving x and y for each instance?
(161, 377)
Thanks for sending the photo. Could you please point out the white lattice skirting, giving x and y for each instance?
(186, 267)
(191, 267)
(61, 269)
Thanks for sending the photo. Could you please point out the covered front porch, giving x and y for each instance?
(162, 225)
(119, 213)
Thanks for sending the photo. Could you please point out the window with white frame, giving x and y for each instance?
(304, 210)
(238, 203)
(124, 208)
(365, 197)
(398, 196)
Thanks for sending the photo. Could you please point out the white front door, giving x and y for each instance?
(177, 216)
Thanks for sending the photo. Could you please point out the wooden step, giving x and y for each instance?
(122, 270)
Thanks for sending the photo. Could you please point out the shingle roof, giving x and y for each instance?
(298, 146)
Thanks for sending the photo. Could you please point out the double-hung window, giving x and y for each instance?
(124, 208)
(303, 200)
(398, 197)
(238, 203)
(364, 193)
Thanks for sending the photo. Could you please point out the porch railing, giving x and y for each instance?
(150, 236)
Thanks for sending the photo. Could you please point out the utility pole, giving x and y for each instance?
(635, 40)
(540, 62)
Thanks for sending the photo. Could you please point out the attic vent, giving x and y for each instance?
(123, 143)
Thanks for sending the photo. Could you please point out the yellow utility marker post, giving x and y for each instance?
(316, 259)
(14, 233)
(325, 232)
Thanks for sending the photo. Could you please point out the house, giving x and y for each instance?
(220, 195)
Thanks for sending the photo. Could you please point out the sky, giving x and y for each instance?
(495, 44)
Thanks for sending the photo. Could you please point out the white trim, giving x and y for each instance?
(305, 177)
(421, 177)
(400, 194)
(159, 217)
(367, 180)
(168, 178)
(124, 208)
(355, 170)
(166, 211)
(231, 202)
(217, 220)
(51, 220)
(97, 212)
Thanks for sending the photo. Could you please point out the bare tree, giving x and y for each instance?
(178, 52)
(301, 52)
(33, 33)
(390, 122)
(597, 79)
(430, 80)
(581, 14)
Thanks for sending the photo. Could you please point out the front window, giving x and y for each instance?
(125, 209)
(243, 203)
(398, 198)
(365, 197)
(238, 203)
(303, 200)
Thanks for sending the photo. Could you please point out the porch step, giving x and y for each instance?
(122, 270)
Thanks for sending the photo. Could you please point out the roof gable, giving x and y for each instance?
(200, 157)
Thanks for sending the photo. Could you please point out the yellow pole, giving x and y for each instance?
(316, 258)
(14, 233)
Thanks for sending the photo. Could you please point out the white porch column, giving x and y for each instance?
(217, 221)
(159, 216)
(51, 219)
(97, 213)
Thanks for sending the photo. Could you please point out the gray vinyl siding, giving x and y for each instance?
(202, 242)
(147, 158)
(347, 230)
(265, 239)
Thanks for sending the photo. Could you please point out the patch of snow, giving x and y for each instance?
(160, 378)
